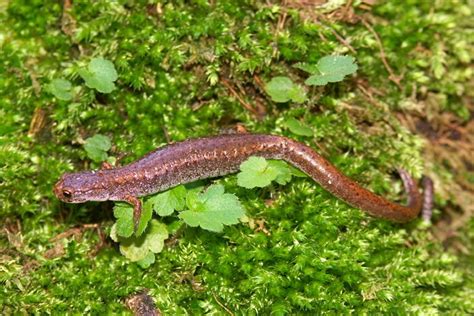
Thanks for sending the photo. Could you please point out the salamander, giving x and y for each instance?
(201, 158)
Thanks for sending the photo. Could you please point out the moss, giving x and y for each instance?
(321, 255)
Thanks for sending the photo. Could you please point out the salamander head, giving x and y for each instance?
(81, 187)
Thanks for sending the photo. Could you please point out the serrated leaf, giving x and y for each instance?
(153, 240)
(332, 69)
(167, 202)
(255, 172)
(124, 215)
(297, 127)
(212, 209)
(100, 75)
(60, 88)
(282, 89)
(97, 146)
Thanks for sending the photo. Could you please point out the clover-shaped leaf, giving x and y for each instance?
(97, 146)
(282, 89)
(100, 75)
(60, 88)
(329, 69)
(259, 172)
(298, 127)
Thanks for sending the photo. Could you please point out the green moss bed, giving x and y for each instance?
(195, 68)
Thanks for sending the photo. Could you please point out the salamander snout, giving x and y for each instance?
(80, 187)
(63, 193)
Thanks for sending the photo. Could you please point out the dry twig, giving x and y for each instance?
(245, 104)
(222, 305)
(392, 76)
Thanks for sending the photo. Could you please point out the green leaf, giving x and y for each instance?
(147, 261)
(332, 69)
(60, 88)
(193, 202)
(124, 215)
(113, 233)
(297, 127)
(282, 89)
(167, 202)
(174, 226)
(97, 146)
(156, 236)
(125, 224)
(259, 172)
(283, 170)
(212, 209)
(138, 248)
(147, 212)
(255, 172)
(100, 75)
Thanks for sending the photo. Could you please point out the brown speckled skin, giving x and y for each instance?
(202, 158)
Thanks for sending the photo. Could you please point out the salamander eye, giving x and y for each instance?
(67, 194)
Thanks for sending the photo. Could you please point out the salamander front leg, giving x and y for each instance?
(137, 209)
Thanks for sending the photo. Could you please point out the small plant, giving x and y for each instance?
(297, 127)
(60, 88)
(97, 146)
(142, 248)
(100, 75)
(282, 89)
(329, 69)
(211, 209)
(257, 172)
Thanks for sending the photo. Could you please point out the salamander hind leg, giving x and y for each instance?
(137, 209)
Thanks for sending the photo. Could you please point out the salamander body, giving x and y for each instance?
(202, 158)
